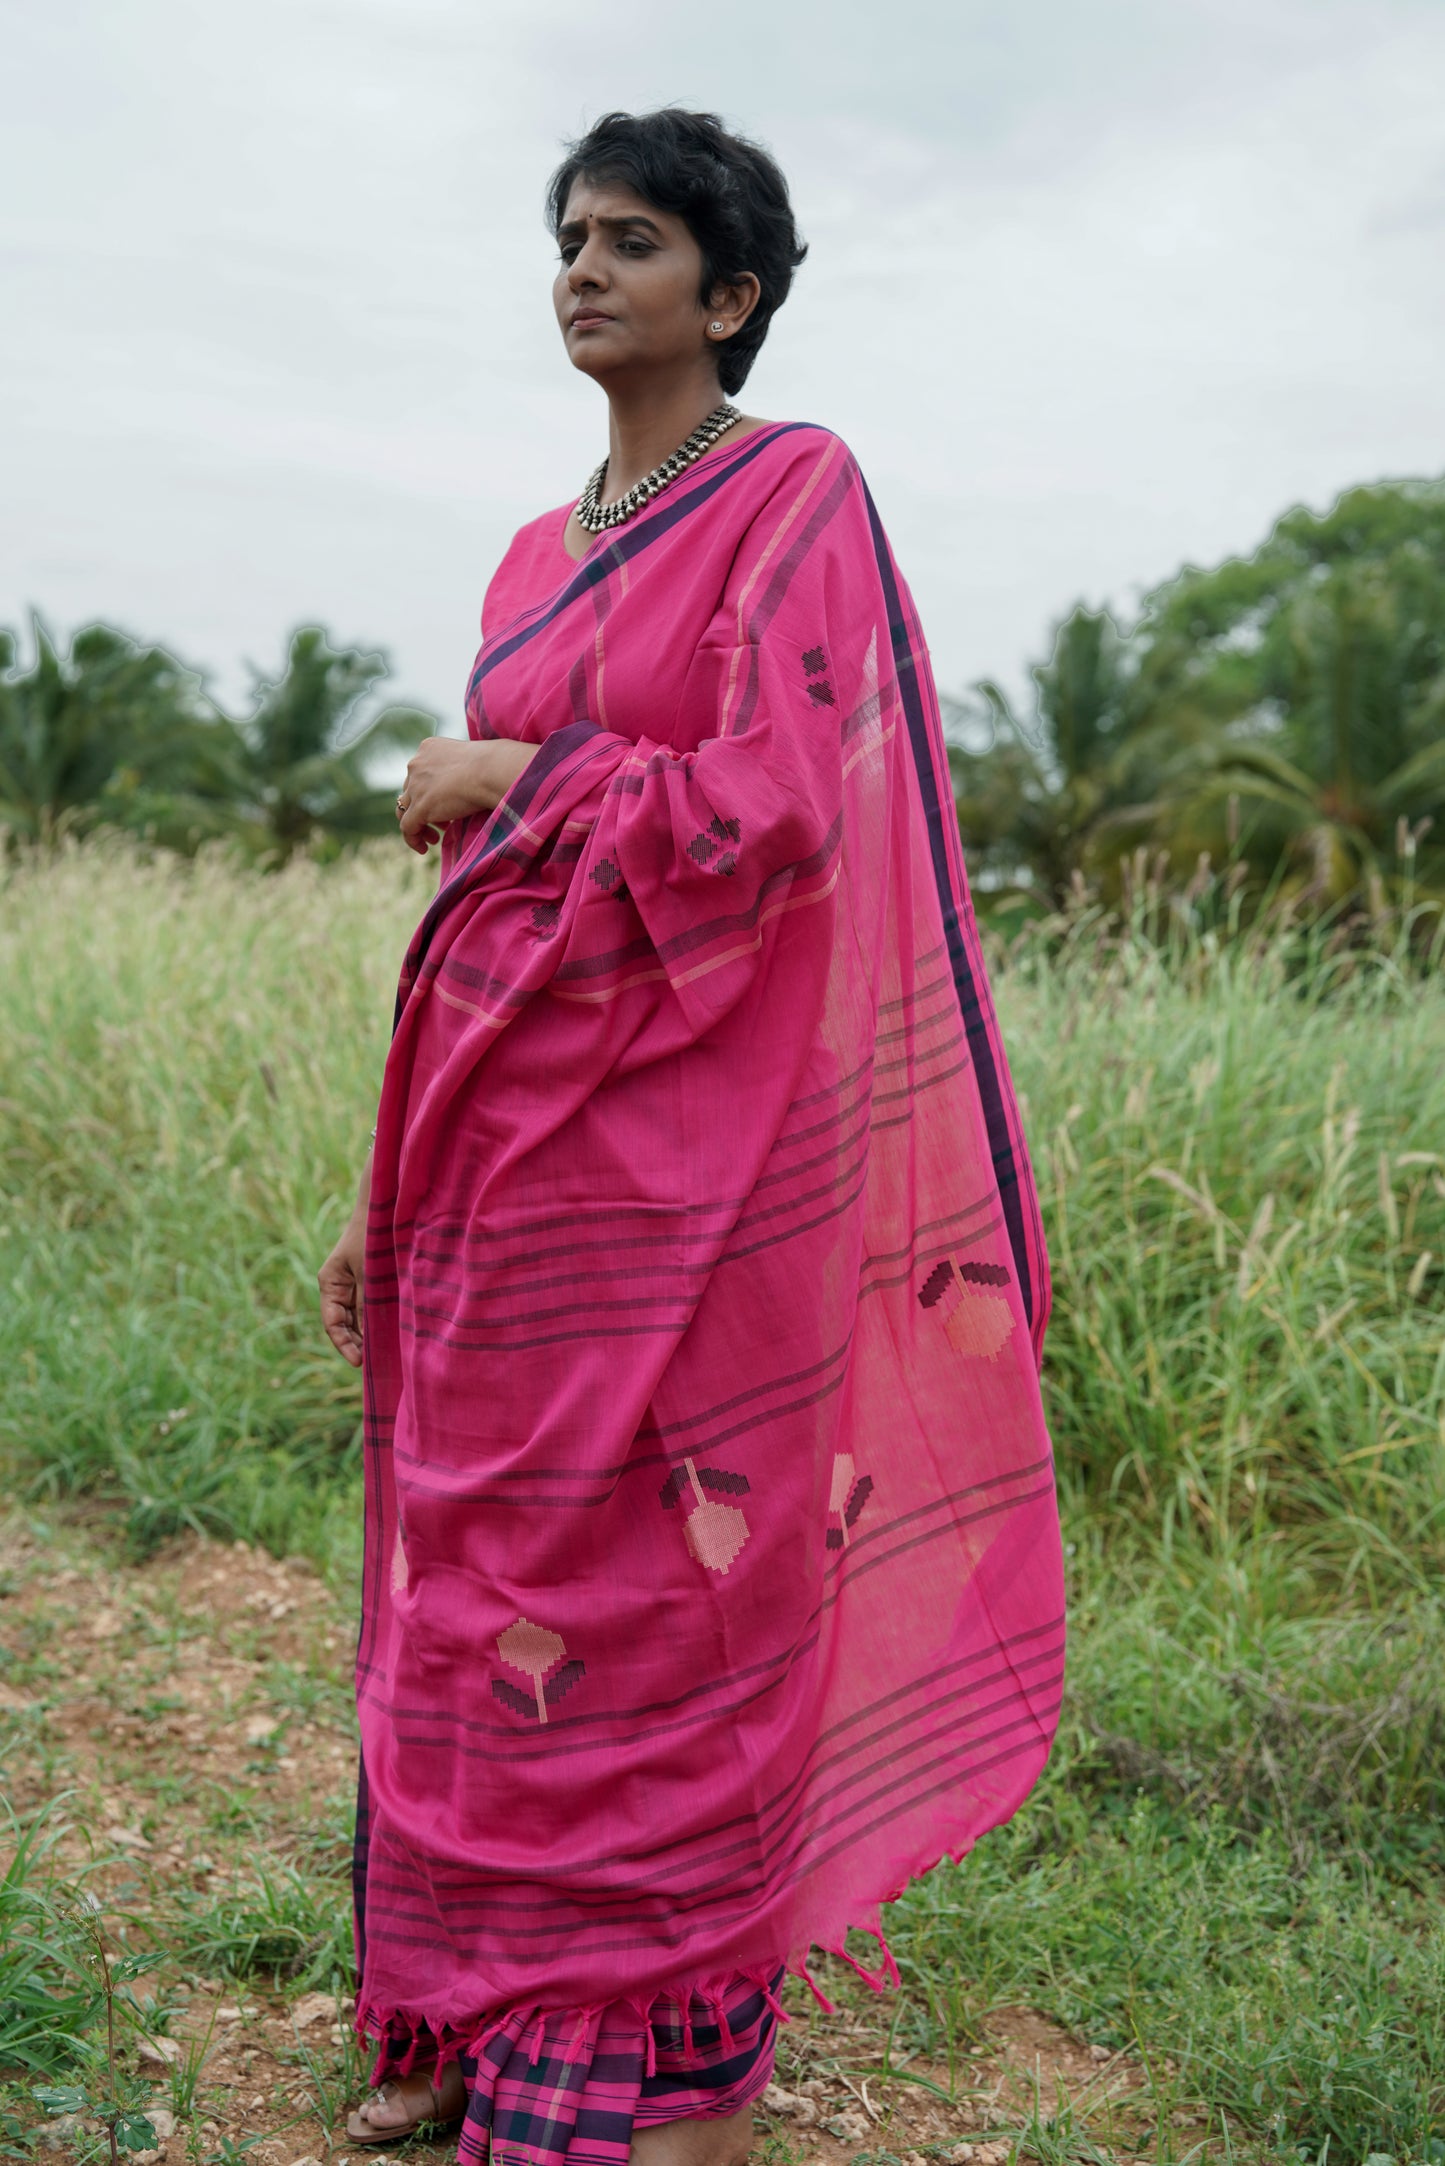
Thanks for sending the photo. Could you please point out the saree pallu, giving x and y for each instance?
(712, 1579)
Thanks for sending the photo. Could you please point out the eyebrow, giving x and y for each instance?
(579, 225)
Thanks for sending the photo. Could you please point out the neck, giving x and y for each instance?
(648, 421)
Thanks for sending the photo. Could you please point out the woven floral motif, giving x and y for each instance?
(715, 1532)
(534, 1651)
(976, 1322)
(849, 1493)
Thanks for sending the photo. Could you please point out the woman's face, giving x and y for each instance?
(628, 290)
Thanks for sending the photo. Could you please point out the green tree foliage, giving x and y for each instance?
(297, 769)
(1026, 802)
(85, 735)
(1064, 791)
(114, 733)
(1284, 711)
(1323, 658)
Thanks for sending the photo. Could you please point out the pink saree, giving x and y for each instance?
(712, 1584)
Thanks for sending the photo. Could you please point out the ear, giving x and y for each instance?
(731, 305)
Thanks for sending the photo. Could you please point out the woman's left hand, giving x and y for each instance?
(449, 777)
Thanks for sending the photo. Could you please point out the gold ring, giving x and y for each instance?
(401, 804)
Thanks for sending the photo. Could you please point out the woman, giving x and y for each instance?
(712, 1582)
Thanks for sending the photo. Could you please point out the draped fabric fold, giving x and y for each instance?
(712, 1583)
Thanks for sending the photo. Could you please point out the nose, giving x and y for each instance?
(586, 269)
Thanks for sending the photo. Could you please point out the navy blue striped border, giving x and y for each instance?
(631, 541)
(975, 1022)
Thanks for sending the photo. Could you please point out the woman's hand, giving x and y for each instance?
(341, 1278)
(449, 777)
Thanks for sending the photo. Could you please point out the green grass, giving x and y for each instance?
(49, 2001)
(1244, 1187)
(1235, 1862)
(285, 1924)
(188, 1077)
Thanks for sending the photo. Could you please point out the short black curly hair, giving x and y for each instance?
(729, 192)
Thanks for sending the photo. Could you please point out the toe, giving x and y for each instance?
(382, 2110)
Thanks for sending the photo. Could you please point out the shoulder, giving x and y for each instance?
(542, 535)
(791, 469)
(782, 466)
(531, 564)
(786, 445)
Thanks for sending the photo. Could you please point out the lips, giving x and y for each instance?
(585, 317)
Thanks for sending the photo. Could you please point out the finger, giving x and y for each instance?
(338, 1309)
(341, 1327)
(340, 1297)
(341, 1331)
(413, 818)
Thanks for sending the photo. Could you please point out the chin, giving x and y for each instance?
(584, 355)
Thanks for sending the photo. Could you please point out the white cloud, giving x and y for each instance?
(1091, 290)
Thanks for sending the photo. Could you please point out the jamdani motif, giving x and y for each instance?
(715, 1532)
(705, 849)
(712, 1479)
(850, 1492)
(706, 1215)
(535, 1651)
(976, 1322)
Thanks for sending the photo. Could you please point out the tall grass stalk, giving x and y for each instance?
(1242, 1160)
(188, 1075)
(1243, 1174)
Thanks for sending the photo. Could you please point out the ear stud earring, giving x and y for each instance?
(715, 328)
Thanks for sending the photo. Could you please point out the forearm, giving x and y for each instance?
(501, 761)
(363, 1186)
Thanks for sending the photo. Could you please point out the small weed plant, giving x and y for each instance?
(68, 2006)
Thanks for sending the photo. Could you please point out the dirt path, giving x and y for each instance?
(194, 1716)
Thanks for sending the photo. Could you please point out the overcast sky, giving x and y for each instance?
(1095, 286)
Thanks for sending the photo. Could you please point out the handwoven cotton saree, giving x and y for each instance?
(712, 1583)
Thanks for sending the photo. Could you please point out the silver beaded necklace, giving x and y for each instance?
(594, 515)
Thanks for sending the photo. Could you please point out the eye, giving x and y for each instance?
(634, 247)
(568, 251)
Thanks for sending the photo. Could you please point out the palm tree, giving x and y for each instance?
(85, 734)
(117, 734)
(1074, 787)
(298, 768)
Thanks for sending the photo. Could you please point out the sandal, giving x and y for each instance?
(365, 2133)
